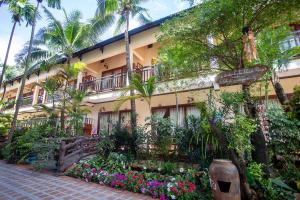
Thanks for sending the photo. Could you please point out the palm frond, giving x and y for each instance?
(106, 7)
(54, 4)
(141, 13)
(98, 25)
(120, 24)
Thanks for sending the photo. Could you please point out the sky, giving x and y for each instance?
(157, 9)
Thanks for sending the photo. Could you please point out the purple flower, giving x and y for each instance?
(143, 190)
(163, 197)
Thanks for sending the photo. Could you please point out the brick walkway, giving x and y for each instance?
(18, 183)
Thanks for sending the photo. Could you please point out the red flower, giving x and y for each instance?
(174, 190)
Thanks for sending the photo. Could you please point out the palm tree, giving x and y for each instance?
(144, 91)
(60, 40)
(125, 9)
(20, 11)
(52, 4)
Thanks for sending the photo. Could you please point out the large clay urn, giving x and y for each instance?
(224, 180)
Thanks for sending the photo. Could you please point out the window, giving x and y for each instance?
(106, 121)
(180, 117)
(171, 112)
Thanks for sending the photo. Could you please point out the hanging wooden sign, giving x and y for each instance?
(241, 76)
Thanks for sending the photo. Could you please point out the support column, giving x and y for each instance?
(79, 80)
(35, 95)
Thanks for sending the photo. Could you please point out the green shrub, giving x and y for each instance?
(294, 103)
(161, 134)
(168, 167)
(116, 162)
(106, 145)
(284, 132)
(124, 140)
(24, 140)
(5, 123)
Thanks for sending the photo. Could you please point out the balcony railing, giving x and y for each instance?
(27, 101)
(146, 72)
(9, 104)
(57, 97)
(106, 83)
(292, 41)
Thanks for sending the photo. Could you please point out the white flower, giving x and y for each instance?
(173, 179)
(124, 166)
(169, 189)
(144, 167)
(159, 169)
(181, 170)
(169, 185)
(173, 196)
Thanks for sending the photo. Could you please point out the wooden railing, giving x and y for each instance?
(74, 149)
(292, 41)
(145, 72)
(27, 101)
(112, 82)
(31, 123)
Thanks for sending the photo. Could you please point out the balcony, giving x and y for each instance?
(113, 82)
(27, 101)
(293, 40)
(106, 83)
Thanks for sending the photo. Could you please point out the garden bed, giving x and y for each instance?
(181, 184)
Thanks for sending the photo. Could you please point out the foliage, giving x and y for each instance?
(106, 145)
(294, 103)
(46, 151)
(194, 139)
(212, 31)
(239, 133)
(5, 123)
(75, 110)
(121, 7)
(168, 167)
(24, 140)
(160, 134)
(284, 131)
(116, 162)
(153, 184)
(291, 176)
(124, 140)
(273, 189)
(145, 90)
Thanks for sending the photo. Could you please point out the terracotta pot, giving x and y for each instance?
(297, 196)
(224, 180)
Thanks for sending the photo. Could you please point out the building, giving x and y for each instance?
(106, 74)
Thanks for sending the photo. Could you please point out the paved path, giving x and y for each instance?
(19, 183)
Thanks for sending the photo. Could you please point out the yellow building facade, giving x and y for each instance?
(105, 75)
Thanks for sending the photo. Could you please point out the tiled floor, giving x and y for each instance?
(19, 183)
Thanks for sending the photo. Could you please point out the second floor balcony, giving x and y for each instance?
(106, 83)
(27, 101)
(113, 82)
(293, 40)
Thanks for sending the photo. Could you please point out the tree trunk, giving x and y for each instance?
(129, 68)
(259, 152)
(177, 108)
(282, 97)
(7, 52)
(23, 80)
(4, 91)
(62, 117)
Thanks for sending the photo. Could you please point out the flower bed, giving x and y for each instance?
(153, 184)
